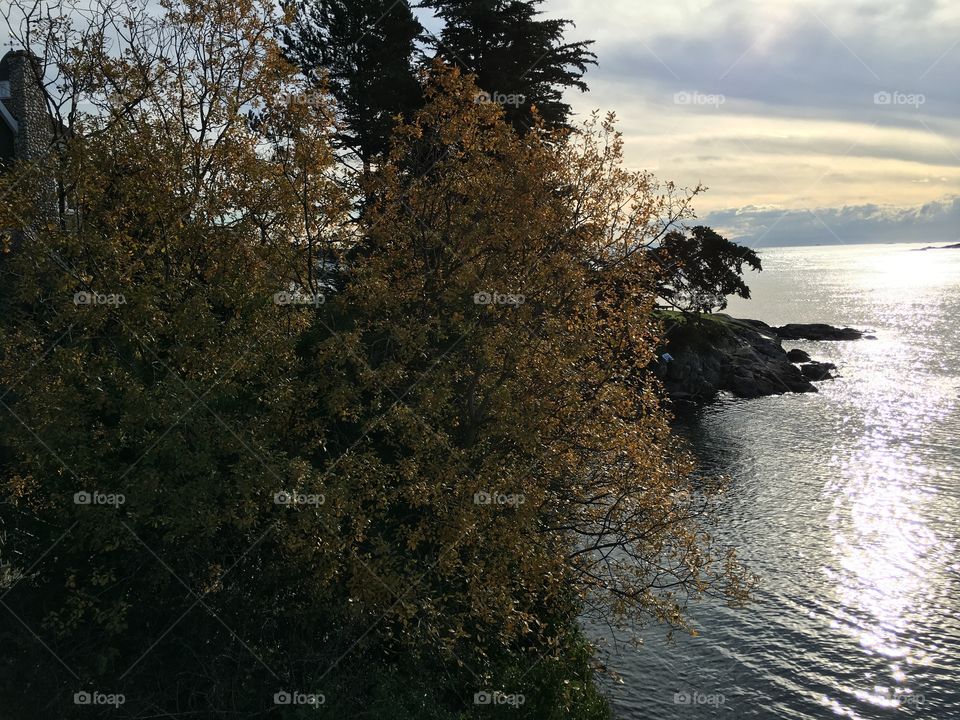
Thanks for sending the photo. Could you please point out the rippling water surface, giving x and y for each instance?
(846, 502)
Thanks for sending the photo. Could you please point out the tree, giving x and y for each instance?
(146, 379)
(520, 60)
(698, 273)
(363, 51)
(488, 359)
(219, 487)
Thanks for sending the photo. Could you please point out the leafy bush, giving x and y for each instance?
(233, 478)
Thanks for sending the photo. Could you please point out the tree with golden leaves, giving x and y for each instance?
(257, 460)
(499, 424)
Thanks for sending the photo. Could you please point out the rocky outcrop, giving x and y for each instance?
(816, 331)
(817, 370)
(715, 353)
(955, 246)
(722, 353)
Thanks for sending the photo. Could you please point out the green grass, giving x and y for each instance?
(692, 331)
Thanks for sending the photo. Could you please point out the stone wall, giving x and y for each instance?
(34, 139)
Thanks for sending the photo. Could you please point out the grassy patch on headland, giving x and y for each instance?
(693, 331)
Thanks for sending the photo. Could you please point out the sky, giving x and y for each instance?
(810, 121)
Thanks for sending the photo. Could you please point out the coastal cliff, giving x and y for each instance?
(714, 353)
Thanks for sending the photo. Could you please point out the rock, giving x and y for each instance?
(758, 324)
(723, 353)
(798, 356)
(816, 331)
(744, 387)
(818, 370)
(869, 337)
(770, 350)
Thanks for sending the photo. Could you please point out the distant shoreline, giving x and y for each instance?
(895, 244)
(955, 246)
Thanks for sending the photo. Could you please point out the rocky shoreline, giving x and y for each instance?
(955, 246)
(702, 357)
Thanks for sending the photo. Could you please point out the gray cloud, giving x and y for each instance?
(800, 125)
(933, 222)
(806, 73)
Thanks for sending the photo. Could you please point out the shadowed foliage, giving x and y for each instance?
(227, 477)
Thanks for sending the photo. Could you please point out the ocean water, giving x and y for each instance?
(846, 502)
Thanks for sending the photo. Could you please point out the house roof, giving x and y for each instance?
(5, 64)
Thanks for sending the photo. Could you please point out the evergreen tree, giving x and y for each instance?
(699, 272)
(367, 49)
(519, 59)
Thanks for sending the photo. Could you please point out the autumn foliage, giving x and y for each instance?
(384, 458)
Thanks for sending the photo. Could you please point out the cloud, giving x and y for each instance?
(824, 104)
(805, 71)
(935, 222)
(811, 121)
